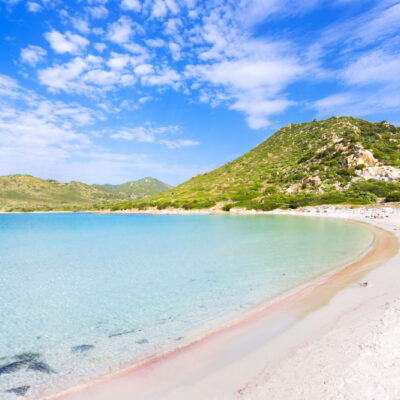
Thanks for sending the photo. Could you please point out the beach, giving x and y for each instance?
(333, 338)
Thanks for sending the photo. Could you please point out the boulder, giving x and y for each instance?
(383, 173)
(313, 180)
(362, 157)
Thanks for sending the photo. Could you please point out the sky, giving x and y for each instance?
(108, 91)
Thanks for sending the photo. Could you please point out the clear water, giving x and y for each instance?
(135, 285)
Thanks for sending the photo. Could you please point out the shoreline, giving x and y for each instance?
(298, 302)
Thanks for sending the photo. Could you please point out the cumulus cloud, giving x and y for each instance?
(252, 82)
(163, 77)
(89, 75)
(66, 43)
(131, 5)
(144, 69)
(98, 12)
(159, 9)
(32, 55)
(120, 31)
(118, 61)
(33, 7)
(81, 25)
(155, 42)
(100, 47)
(63, 76)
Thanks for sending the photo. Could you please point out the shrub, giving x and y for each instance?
(242, 195)
(395, 196)
(271, 190)
(228, 207)
(161, 205)
(379, 188)
(347, 172)
(366, 196)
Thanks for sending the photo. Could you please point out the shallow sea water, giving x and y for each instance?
(89, 294)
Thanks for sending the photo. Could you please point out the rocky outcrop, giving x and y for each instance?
(362, 157)
(293, 188)
(384, 173)
(313, 180)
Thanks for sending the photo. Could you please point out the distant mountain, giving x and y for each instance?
(137, 189)
(27, 193)
(341, 159)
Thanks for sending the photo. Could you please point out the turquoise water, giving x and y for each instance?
(89, 294)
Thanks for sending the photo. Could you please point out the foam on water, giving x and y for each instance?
(93, 293)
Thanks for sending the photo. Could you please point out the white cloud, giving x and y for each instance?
(118, 61)
(144, 99)
(163, 77)
(120, 31)
(89, 75)
(81, 25)
(139, 134)
(159, 9)
(175, 51)
(172, 6)
(32, 55)
(176, 144)
(253, 12)
(172, 27)
(8, 87)
(66, 43)
(144, 69)
(252, 86)
(155, 42)
(101, 77)
(63, 76)
(131, 5)
(258, 109)
(34, 129)
(100, 47)
(375, 67)
(98, 31)
(105, 78)
(33, 7)
(98, 12)
(359, 102)
(150, 134)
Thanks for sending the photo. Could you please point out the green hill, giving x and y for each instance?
(338, 160)
(27, 193)
(136, 189)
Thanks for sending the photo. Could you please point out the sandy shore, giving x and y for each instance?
(329, 339)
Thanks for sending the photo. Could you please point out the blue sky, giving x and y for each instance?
(106, 91)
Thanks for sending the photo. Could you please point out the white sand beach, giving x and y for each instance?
(334, 338)
(357, 355)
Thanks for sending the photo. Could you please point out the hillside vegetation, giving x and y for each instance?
(136, 189)
(27, 193)
(338, 160)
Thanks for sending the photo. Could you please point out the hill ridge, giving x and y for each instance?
(309, 162)
(22, 192)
